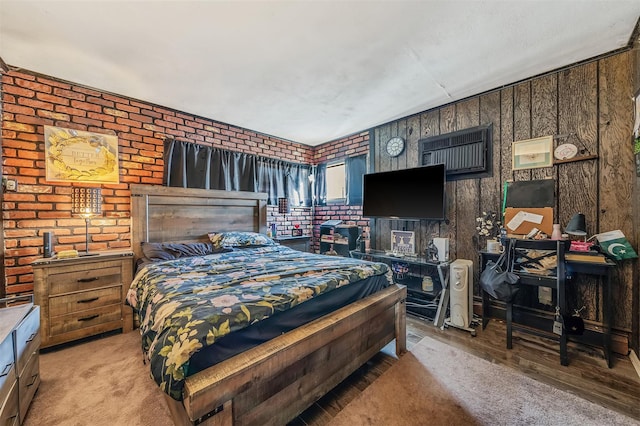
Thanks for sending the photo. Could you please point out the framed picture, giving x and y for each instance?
(403, 242)
(78, 156)
(532, 153)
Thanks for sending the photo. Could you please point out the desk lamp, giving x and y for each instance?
(577, 226)
(86, 203)
(283, 208)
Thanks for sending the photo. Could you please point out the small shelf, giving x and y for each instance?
(580, 158)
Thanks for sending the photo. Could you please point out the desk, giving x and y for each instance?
(602, 270)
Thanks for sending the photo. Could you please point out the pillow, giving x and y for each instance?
(239, 239)
(168, 251)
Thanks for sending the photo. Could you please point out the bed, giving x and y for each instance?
(272, 382)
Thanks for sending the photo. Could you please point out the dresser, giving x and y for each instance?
(83, 296)
(19, 366)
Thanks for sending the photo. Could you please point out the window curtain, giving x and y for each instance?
(190, 165)
(321, 185)
(355, 168)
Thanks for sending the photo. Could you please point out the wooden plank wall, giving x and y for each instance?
(591, 100)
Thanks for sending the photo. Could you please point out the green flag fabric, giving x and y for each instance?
(615, 244)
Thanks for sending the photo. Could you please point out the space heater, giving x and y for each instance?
(461, 298)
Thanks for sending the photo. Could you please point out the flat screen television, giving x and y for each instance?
(415, 193)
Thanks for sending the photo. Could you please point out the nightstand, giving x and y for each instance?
(83, 296)
(301, 243)
(19, 345)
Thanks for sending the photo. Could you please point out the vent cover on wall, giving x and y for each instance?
(466, 153)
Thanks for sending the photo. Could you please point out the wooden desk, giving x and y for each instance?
(573, 267)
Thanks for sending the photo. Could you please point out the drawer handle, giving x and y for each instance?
(87, 280)
(88, 318)
(33, 336)
(33, 379)
(93, 299)
(6, 369)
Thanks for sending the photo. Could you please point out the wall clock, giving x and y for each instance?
(395, 146)
(565, 151)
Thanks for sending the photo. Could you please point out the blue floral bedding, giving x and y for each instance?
(188, 303)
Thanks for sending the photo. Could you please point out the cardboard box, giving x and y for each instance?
(522, 220)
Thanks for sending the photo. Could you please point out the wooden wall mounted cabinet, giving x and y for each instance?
(20, 375)
(83, 296)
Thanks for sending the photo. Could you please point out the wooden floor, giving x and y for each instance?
(586, 375)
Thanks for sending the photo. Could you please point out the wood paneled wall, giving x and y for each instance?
(592, 100)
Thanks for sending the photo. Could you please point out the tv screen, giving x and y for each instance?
(416, 193)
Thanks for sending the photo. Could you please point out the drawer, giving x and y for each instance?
(28, 383)
(27, 337)
(9, 410)
(85, 319)
(75, 302)
(79, 280)
(7, 366)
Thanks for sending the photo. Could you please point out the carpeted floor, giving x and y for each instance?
(104, 382)
(436, 384)
(99, 383)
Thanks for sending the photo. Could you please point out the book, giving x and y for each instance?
(581, 257)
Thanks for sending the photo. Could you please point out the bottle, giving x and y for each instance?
(557, 232)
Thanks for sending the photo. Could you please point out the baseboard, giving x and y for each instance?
(635, 361)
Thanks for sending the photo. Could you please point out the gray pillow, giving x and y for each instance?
(169, 251)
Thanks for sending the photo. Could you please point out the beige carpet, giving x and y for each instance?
(99, 383)
(436, 384)
(104, 382)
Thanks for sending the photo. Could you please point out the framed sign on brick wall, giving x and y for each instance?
(78, 156)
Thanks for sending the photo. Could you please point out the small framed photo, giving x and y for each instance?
(532, 153)
(403, 242)
(296, 232)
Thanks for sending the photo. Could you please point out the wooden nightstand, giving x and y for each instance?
(302, 243)
(83, 296)
(19, 345)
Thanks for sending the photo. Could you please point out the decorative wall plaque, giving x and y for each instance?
(79, 156)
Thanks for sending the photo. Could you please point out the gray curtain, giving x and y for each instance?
(190, 165)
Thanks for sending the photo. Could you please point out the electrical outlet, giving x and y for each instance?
(9, 184)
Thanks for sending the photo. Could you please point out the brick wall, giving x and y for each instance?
(351, 146)
(31, 101)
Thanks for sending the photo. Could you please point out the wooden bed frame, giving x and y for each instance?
(276, 381)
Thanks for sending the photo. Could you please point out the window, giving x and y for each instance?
(341, 182)
(336, 182)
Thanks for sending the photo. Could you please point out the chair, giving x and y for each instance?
(529, 257)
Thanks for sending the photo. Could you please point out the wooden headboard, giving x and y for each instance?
(162, 213)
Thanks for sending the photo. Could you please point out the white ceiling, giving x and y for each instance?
(308, 71)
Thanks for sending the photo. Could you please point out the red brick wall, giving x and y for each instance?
(350, 146)
(30, 101)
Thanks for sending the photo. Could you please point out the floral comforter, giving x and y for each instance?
(188, 303)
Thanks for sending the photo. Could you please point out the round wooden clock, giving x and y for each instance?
(565, 151)
(395, 146)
